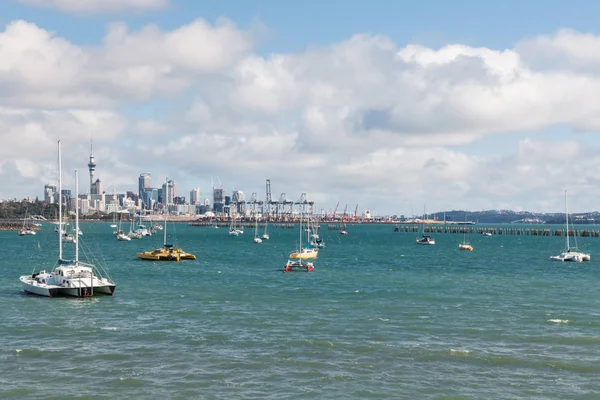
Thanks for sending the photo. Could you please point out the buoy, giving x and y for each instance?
(310, 268)
(288, 268)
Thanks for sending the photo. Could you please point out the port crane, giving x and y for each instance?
(254, 202)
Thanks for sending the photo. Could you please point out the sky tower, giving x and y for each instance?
(92, 167)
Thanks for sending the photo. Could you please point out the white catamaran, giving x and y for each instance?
(70, 278)
(571, 254)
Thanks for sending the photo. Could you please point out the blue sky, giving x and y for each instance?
(297, 25)
(462, 90)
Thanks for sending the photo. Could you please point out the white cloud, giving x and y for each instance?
(364, 120)
(40, 69)
(99, 6)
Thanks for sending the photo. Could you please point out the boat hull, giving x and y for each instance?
(31, 286)
(572, 256)
(304, 256)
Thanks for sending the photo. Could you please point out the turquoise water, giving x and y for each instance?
(380, 317)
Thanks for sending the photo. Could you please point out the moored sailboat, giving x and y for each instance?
(297, 258)
(167, 252)
(257, 239)
(70, 278)
(425, 239)
(570, 254)
(464, 245)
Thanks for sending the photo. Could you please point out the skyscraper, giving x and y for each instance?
(143, 183)
(218, 200)
(195, 196)
(92, 168)
(169, 192)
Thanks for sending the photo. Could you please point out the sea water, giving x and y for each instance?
(380, 317)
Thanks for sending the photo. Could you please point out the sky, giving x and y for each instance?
(387, 106)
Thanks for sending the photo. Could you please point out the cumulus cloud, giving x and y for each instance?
(40, 69)
(99, 6)
(393, 125)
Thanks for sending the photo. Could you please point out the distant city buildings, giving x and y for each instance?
(164, 198)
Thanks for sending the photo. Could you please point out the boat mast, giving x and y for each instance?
(567, 220)
(59, 205)
(165, 232)
(76, 218)
(300, 238)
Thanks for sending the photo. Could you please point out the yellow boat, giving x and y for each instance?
(304, 252)
(166, 253)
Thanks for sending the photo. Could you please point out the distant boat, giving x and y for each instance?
(233, 230)
(257, 239)
(487, 233)
(425, 239)
(571, 254)
(464, 245)
(265, 235)
(343, 230)
(114, 222)
(26, 230)
(167, 252)
(297, 258)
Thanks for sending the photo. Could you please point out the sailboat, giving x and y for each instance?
(69, 237)
(133, 234)
(343, 230)
(465, 245)
(315, 239)
(256, 238)
(425, 239)
(571, 254)
(265, 236)
(233, 230)
(114, 222)
(70, 278)
(142, 230)
(167, 252)
(26, 230)
(122, 236)
(297, 257)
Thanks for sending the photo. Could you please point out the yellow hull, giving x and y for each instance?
(158, 256)
(466, 247)
(303, 256)
(165, 254)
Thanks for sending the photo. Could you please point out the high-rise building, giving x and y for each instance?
(92, 168)
(169, 192)
(150, 198)
(195, 196)
(144, 183)
(96, 187)
(49, 193)
(218, 200)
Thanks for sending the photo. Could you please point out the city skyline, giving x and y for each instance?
(383, 104)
